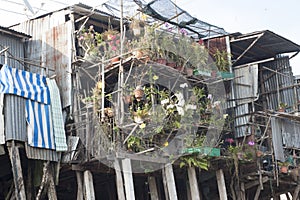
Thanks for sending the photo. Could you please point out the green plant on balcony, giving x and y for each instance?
(222, 61)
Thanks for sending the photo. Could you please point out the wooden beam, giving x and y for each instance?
(17, 171)
(170, 182)
(195, 195)
(242, 192)
(257, 193)
(89, 193)
(221, 184)
(119, 180)
(51, 186)
(128, 179)
(79, 185)
(153, 188)
(256, 182)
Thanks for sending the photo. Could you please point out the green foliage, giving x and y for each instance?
(194, 161)
(221, 60)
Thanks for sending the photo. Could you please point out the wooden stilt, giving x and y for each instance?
(119, 181)
(170, 182)
(29, 182)
(153, 188)
(242, 192)
(221, 184)
(195, 195)
(165, 184)
(89, 193)
(51, 185)
(79, 185)
(17, 171)
(257, 193)
(128, 179)
(188, 190)
(296, 192)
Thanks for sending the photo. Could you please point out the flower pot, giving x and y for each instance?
(115, 59)
(137, 54)
(172, 64)
(138, 93)
(138, 119)
(161, 61)
(189, 71)
(213, 74)
(128, 99)
(259, 153)
(284, 169)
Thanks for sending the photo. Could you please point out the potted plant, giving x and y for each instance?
(281, 107)
(140, 115)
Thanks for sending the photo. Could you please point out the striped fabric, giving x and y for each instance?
(24, 84)
(38, 111)
(57, 117)
(39, 128)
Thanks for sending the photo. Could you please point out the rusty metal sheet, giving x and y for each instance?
(57, 51)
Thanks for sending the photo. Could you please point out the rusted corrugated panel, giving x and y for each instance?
(215, 44)
(58, 45)
(51, 48)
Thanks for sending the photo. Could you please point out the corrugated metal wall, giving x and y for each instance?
(14, 107)
(282, 81)
(43, 55)
(245, 91)
(51, 48)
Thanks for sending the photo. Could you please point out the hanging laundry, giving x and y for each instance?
(57, 117)
(24, 84)
(38, 110)
(39, 125)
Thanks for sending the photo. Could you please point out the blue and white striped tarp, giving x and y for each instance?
(38, 114)
(24, 84)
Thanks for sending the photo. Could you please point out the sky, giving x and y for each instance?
(280, 17)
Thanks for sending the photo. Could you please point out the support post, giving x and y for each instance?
(119, 180)
(257, 193)
(221, 184)
(193, 183)
(51, 187)
(170, 182)
(79, 185)
(89, 193)
(165, 184)
(128, 179)
(296, 192)
(153, 188)
(17, 171)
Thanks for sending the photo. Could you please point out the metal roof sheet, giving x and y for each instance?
(260, 45)
(14, 33)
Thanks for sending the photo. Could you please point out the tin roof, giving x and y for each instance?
(14, 33)
(256, 46)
